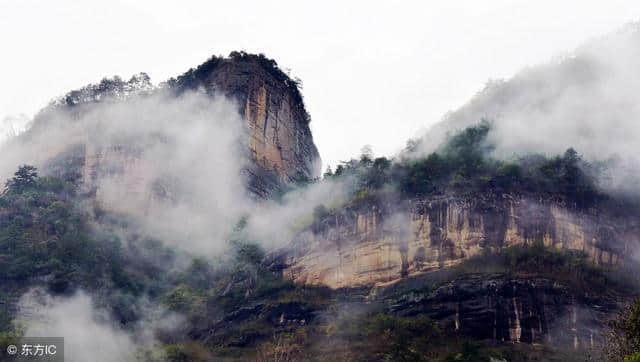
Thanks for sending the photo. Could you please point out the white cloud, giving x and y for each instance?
(89, 334)
(374, 72)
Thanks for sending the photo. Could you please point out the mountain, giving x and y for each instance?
(518, 297)
(279, 143)
(187, 221)
(584, 99)
(483, 192)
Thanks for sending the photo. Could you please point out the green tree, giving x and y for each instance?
(623, 340)
(25, 178)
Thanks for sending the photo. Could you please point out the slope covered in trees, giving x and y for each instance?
(464, 165)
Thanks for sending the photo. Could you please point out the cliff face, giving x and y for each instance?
(511, 309)
(378, 244)
(128, 178)
(279, 140)
(404, 255)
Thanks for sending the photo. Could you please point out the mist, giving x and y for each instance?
(173, 167)
(586, 99)
(165, 168)
(90, 334)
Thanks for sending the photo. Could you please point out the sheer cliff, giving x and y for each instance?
(526, 250)
(276, 146)
(279, 138)
(386, 242)
(501, 268)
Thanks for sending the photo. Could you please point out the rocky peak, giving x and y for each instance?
(279, 138)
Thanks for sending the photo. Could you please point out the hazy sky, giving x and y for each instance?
(374, 72)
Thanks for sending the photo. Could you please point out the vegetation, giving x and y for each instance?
(238, 305)
(114, 88)
(42, 234)
(623, 341)
(197, 77)
(387, 337)
(463, 165)
(46, 240)
(571, 268)
(377, 336)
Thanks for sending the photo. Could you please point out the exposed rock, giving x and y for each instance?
(381, 243)
(278, 315)
(279, 141)
(279, 138)
(506, 309)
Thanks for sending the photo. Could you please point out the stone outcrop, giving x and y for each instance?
(378, 244)
(279, 141)
(404, 255)
(500, 308)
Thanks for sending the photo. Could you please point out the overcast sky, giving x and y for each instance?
(374, 72)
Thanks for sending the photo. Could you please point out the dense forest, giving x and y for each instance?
(464, 165)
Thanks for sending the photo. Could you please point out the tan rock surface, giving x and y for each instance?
(366, 247)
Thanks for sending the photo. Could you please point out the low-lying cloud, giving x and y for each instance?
(587, 100)
(89, 332)
(172, 165)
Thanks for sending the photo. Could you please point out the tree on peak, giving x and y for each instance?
(25, 178)
(108, 88)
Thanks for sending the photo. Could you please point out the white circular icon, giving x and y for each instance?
(11, 349)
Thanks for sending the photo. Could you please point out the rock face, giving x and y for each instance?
(507, 309)
(280, 143)
(278, 139)
(404, 255)
(378, 244)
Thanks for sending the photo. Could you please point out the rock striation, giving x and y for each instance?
(279, 139)
(503, 308)
(381, 244)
